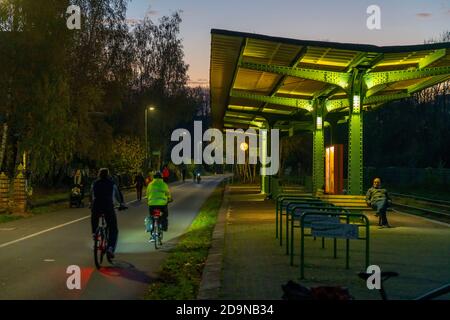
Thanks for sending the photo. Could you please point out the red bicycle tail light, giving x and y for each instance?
(156, 213)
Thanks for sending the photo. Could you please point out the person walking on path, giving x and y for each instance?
(183, 172)
(139, 182)
(165, 174)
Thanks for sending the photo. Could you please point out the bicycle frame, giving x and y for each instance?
(156, 232)
(102, 238)
(100, 241)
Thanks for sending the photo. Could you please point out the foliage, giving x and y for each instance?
(35, 83)
(67, 94)
(180, 275)
(295, 153)
(128, 155)
(412, 132)
(160, 77)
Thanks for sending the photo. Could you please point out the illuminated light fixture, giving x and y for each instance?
(356, 104)
(244, 146)
(319, 123)
(343, 84)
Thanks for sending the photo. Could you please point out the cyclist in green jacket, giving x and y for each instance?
(158, 196)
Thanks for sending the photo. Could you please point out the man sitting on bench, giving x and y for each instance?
(378, 199)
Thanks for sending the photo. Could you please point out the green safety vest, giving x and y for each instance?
(158, 193)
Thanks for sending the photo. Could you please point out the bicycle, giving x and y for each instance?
(156, 233)
(101, 240)
(155, 228)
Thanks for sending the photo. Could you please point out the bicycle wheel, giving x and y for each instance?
(155, 233)
(99, 250)
(160, 234)
(106, 245)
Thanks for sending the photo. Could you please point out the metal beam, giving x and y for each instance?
(328, 91)
(357, 60)
(376, 78)
(229, 119)
(290, 102)
(235, 71)
(428, 83)
(260, 113)
(376, 89)
(337, 78)
(278, 117)
(331, 105)
(375, 61)
(386, 98)
(280, 82)
(293, 64)
(431, 58)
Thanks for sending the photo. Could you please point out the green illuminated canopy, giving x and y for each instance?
(255, 78)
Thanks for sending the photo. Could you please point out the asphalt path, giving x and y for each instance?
(35, 253)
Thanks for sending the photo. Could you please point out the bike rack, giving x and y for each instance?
(296, 204)
(347, 217)
(324, 208)
(279, 210)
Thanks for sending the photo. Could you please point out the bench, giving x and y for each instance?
(349, 202)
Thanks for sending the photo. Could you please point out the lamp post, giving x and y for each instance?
(147, 145)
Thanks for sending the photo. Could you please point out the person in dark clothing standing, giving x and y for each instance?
(183, 172)
(104, 192)
(139, 181)
(378, 199)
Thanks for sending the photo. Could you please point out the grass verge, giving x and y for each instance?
(7, 218)
(181, 272)
(34, 211)
(47, 199)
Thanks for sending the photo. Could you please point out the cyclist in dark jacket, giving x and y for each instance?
(104, 192)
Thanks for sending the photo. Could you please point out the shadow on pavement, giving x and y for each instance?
(126, 270)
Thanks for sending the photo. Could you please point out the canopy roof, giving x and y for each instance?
(254, 78)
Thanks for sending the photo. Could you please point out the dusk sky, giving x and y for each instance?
(402, 22)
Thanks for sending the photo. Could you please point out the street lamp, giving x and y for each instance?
(147, 146)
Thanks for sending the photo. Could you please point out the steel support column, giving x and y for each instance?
(355, 135)
(265, 145)
(318, 173)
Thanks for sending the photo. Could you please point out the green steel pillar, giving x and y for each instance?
(265, 182)
(318, 174)
(355, 135)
